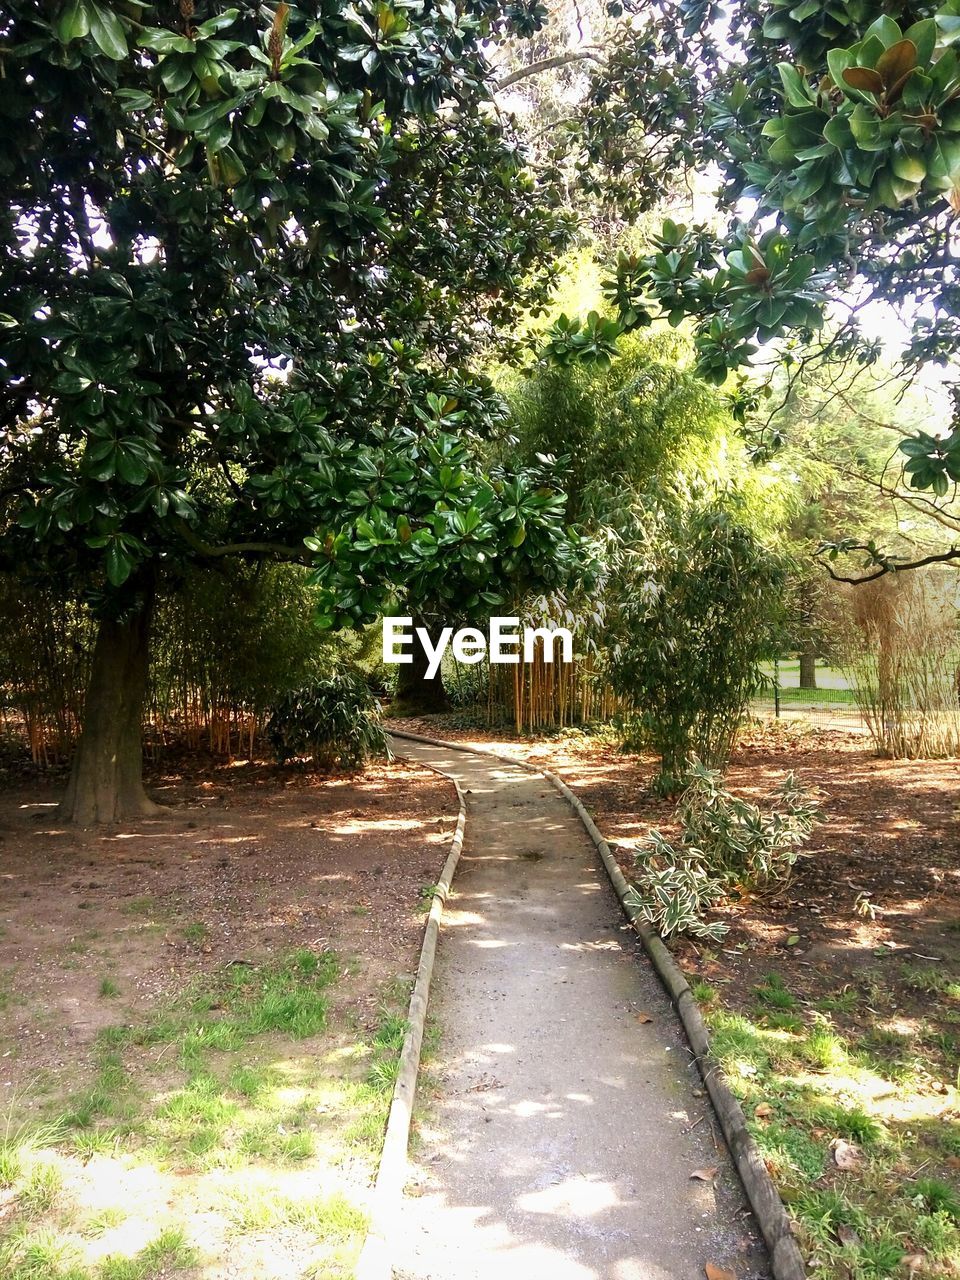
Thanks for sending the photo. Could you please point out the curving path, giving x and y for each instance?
(565, 1131)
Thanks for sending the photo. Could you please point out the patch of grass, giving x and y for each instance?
(105, 1220)
(849, 1122)
(788, 1149)
(109, 1096)
(738, 1044)
(773, 992)
(930, 981)
(39, 1254)
(108, 989)
(329, 1219)
(39, 1189)
(782, 1021)
(194, 1090)
(141, 906)
(249, 1081)
(934, 1196)
(196, 932)
(165, 1255)
(843, 1001)
(703, 993)
(938, 1235)
(823, 1049)
(11, 1163)
(816, 1087)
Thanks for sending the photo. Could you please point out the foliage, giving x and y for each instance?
(674, 889)
(836, 134)
(222, 332)
(333, 718)
(745, 845)
(725, 844)
(225, 644)
(697, 597)
(646, 416)
(45, 640)
(235, 639)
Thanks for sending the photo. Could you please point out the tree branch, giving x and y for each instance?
(546, 64)
(241, 548)
(890, 566)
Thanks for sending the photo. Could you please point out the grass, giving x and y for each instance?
(237, 1081)
(108, 989)
(804, 1087)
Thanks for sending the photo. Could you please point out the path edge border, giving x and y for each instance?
(768, 1208)
(374, 1262)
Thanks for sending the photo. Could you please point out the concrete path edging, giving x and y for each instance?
(775, 1225)
(374, 1262)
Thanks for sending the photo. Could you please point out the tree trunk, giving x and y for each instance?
(416, 695)
(808, 670)
(106, 781)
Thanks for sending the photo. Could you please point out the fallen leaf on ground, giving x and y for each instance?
(644, 1017)
(713, 1272)
(845, 1154)
(847, 1235)
(763, 1111)
(704, 1175)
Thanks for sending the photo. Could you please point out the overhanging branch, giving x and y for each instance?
(890, 566)
(241, 548)
(547, 64)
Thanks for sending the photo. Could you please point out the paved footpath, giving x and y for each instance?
(565, 1128)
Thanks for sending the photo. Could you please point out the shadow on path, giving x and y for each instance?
(566, 1129)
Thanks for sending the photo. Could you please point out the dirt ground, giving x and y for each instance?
(877, 888)
(101, 930)
(251, 859)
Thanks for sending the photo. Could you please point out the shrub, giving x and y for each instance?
(335, 719)
(698, 599)
(726, 844)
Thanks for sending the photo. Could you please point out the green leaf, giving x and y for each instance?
(107, 32)
(794, 86)
(118, 564)
(73, 22)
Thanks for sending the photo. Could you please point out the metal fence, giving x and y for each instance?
(831, 705)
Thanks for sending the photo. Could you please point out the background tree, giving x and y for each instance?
(695, 615)
(247, 258)
(837, 135)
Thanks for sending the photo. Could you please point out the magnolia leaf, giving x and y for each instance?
(107, 31)
(898, 61)
(864, 79)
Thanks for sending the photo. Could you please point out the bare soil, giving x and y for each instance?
(102, 929)
(250, 860)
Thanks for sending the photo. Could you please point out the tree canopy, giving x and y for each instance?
(248, 257)
(836, 133)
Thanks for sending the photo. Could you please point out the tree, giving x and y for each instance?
(698, 598)
(837, 134)
(247, 259)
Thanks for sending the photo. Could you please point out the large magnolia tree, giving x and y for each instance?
(247, 258)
